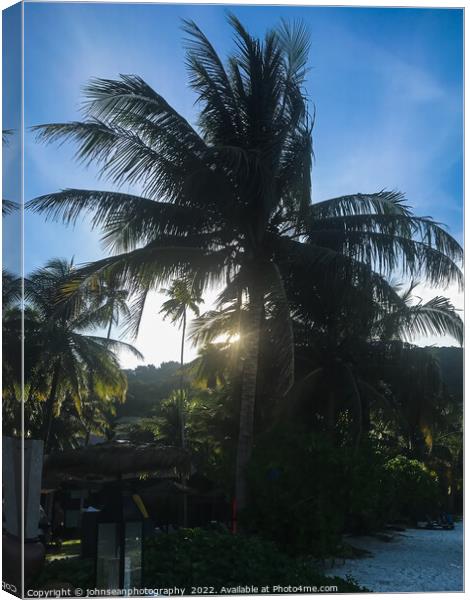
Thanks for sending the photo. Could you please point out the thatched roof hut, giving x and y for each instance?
(116, 460)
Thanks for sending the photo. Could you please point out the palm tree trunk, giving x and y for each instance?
(110, 322)
(183, 335)
(111, 319)
(182, 417)
(359, 406)
(50, 403)
(109, 329)
(251, 340)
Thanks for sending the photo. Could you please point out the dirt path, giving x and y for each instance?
(416, 560)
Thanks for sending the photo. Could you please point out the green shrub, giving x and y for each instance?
(368, 507)
(201, 558)
(305, 491)
(78, 572)
(414, 490)
(215, 559)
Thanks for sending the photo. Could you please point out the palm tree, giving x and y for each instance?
(75, 363)
(11, 352)
(230, 201)
(414, 392)
(392, 334)
(111, 300)
(183, 297)
(96, 416)
(344, 348)
(11, 291)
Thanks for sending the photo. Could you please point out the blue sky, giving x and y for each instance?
(11, 117)
(386, 84)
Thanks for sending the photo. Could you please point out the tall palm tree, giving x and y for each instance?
(230, 201)
(183, 297)
(75, 363)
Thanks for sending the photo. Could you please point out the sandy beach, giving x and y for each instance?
(416, 560)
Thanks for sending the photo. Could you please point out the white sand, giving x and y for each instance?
(417, 560)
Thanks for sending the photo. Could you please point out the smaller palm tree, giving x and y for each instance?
(183, 297)
(111, 300)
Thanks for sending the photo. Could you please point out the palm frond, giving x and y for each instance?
(295, 42)
(148, 268)
(214, 324)
(436, 317)
(388, 253)
(131, 102)
(422, 229)
(328, 269)
(9, 206)
(209, 79)
(126, 220)
(381, 203)
(294, 174)
(136, 311)
(125, 157)
(115, 345)
(11, 290)
(5, 135)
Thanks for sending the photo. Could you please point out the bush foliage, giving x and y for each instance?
(306, 491)
(76, 572)
(414, 490)
(198, 558)
(207, 558)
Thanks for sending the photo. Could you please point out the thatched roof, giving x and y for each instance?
(116, 459)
